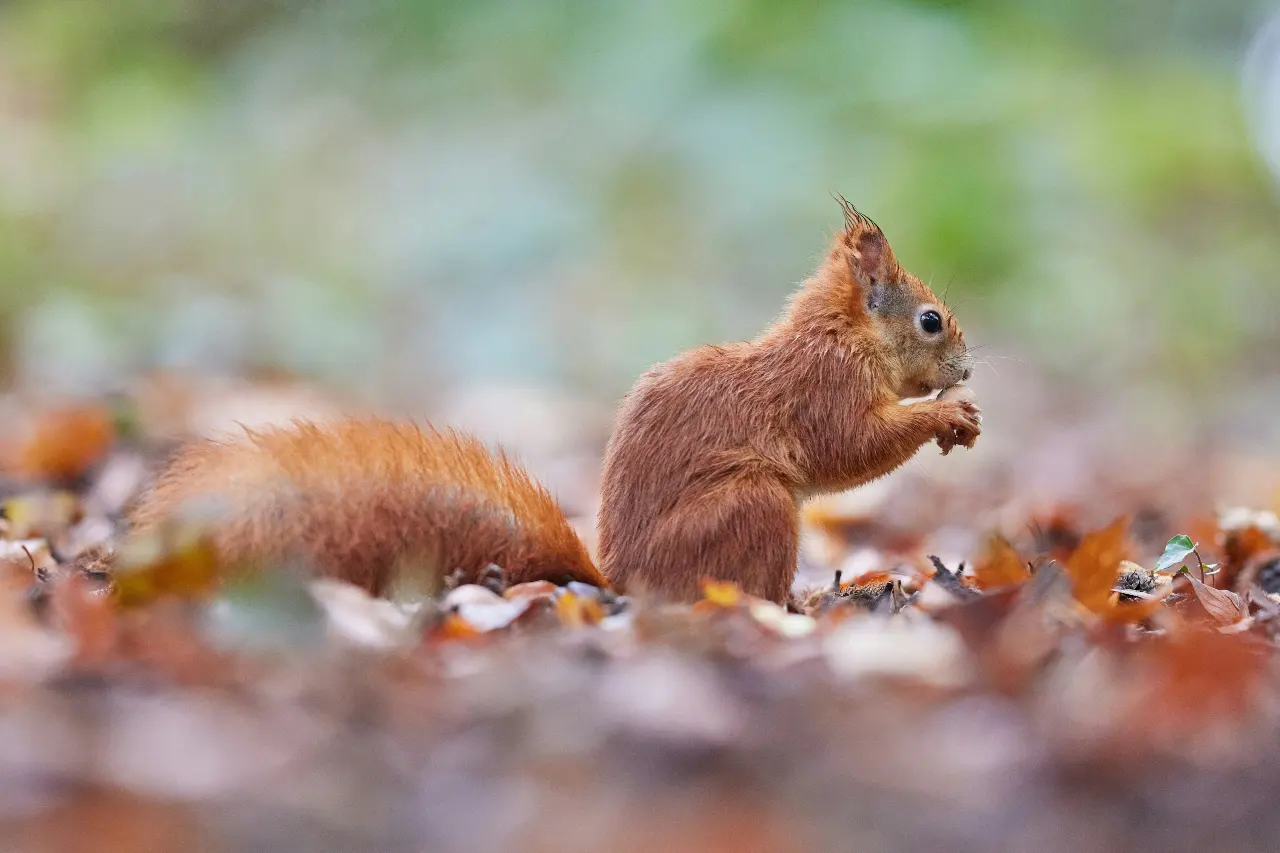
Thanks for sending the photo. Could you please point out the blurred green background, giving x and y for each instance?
(396, 196)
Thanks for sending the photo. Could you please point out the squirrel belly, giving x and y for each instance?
(362, 499)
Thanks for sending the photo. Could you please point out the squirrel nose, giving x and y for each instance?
(968, 371)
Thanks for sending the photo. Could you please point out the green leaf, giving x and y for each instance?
(1211, 568)
(1175, 552)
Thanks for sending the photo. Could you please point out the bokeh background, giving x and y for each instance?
(402, 199)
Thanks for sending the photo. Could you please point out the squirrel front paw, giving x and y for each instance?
(961, 425)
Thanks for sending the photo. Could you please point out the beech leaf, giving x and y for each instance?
(1095, 565)
(1222, 604)
(1000, 566)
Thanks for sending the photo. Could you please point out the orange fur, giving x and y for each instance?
(358, 498)
(713, 451)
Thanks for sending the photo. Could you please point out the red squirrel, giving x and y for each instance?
(711, 455)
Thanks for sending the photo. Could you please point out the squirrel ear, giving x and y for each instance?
(870, 256)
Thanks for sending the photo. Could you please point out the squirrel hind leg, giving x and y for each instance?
(745, 529)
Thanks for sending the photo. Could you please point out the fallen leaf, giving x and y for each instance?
(898, 647)
(1222, 604)
(453, 627)
(781, 622)
(1000, 566)
(868, 577)
(470, 593)
(577, 611)
(63, 443)
(1095, 565)
(358, 618)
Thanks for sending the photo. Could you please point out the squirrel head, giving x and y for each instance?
(911, 330)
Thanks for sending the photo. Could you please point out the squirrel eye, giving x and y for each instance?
(931, 322)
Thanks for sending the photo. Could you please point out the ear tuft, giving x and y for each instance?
(871, 258)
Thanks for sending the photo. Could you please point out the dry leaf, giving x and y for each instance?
(1095, 565)
(1000, 566)
(869, 577)
(1223, 605)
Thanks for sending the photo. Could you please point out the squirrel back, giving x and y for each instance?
(361, 499)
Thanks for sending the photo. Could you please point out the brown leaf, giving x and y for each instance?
(1000, 566)
(1095, 565)
(1223, 605)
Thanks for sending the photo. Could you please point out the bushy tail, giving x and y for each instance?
(363, 499)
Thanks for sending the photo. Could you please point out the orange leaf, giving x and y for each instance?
(869, 577)
(575, 611)
(1132, 612)
(63, 443)
(1000, 566)
(1095, 565)
(453, 627)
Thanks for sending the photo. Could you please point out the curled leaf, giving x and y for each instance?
(1223, 605)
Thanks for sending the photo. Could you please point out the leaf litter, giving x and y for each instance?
(1077, 677)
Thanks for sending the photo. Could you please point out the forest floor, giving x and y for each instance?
(967, 666)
